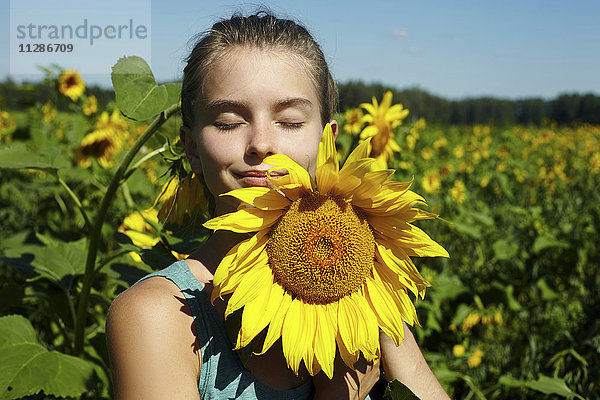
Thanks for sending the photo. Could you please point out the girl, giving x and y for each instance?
(253, 86)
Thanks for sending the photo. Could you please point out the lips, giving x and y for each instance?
(258, 177)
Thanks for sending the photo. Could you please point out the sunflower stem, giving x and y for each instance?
(127, 195)
(88, 224)
(96, 233)
(109, 258)
(449, 223)
(142, 160)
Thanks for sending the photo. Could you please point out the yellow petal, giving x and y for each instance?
(327, 176)
(260, 197)
(246, 250)
(275, 327)
(253, 284)
(142, 239)
(325, 339)
(309, 335)
(370, 108)
(351, 176)
(327, 149)
(258, 258)
(256, 316)
(349, 357)
(368, 132)
(403, 270)
(295, 334)
(387, 317)
(361, 151)
(292, 191)
(386, 102)
(296, 173)
(371, 185)
(392, 145)
(245, 220)
(396, 112)
(394, 197)
(380, 163)
(402, 303)
(408, 236)
(358, 326)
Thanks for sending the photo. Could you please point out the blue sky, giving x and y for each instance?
(455, 49)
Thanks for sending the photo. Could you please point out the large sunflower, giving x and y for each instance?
(382, 119)
(330, 263)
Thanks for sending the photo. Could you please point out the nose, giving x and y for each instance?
(261, 140)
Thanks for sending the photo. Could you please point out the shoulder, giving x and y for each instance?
(154, 300)
(152, 342)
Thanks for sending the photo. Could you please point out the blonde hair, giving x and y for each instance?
(263, 31)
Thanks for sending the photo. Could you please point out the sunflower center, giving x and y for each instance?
(322, 249)
(71, 81)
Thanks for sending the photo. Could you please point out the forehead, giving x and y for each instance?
(250, 73)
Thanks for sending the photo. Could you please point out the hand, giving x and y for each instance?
(347, 383)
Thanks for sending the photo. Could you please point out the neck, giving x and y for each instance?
(216, 247)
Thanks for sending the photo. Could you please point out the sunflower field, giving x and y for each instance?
(94, 196)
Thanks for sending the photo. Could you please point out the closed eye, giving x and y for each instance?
(226, 126)
(291, 125)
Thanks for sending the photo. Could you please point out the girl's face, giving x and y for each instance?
(257, 103)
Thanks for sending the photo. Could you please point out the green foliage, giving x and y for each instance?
(511, 315)
(138, 96)
(397, 391)
(63, 192)
(28, 367)
(544, 384)
(18, 156)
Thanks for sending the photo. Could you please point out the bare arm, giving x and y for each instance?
(151, 345)
(406, 364)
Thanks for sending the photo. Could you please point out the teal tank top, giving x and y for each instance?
(222, 374)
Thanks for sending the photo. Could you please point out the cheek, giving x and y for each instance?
(305, 153)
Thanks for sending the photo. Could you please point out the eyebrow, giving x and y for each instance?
(292, 102)
(221, 104)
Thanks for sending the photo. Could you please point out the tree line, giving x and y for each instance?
(563, 109)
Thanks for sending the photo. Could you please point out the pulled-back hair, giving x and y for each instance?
(263, 31)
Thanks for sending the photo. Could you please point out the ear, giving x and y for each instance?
(191, 148)
(334, 128)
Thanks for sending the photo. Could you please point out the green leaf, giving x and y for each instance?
(397, 391)
(447, 286)
(482, 217)
(546, 241)
(173, 94)
(513, 303)
(461, 313)
(544, 384)
(137, 94)
(58, 261)
(467, 229)
(504, 185)
(505, 250)
(19, 156)
(27, 367)
(547, 292)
